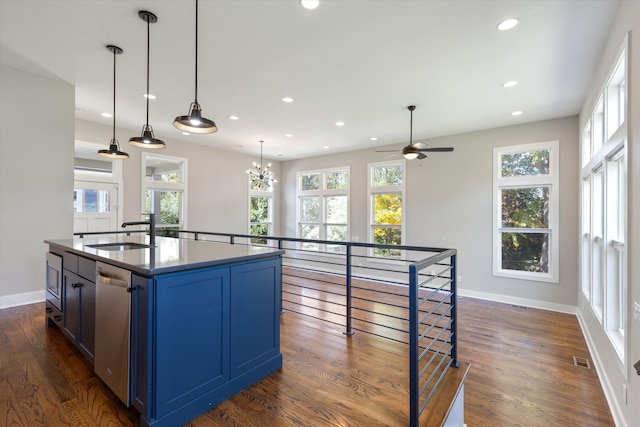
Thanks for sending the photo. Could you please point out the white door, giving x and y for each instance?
(95, 206)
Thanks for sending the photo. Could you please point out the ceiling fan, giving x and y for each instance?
(417, 150)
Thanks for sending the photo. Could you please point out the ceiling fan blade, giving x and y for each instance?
(387, 151)
(421, 156)
(419, 146)
(437, 149)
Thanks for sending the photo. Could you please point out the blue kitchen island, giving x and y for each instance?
(204, 318)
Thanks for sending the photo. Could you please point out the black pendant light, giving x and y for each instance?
(114, 147)
(194, 122)
(147, 139)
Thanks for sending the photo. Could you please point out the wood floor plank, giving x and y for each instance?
(521, 374)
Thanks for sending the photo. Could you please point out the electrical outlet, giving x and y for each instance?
(459, 279)
(636, 311)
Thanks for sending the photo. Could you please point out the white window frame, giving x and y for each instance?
(550, 180)
(387, 189)
(268, 194)
(607, 275)
(165, 186)
(322, 193)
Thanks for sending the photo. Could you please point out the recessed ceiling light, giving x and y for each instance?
(288, 135)
(339, 123)
(517, 113)
(149, 95)
(373, 138)
(507, 24)
(234, 117)
(287, 99)
(186, 133)
(106, 115)
(325, 147)
(310, 4)
(510, 83)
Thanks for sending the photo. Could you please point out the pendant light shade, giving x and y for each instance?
(147, 139)
(114, 151)
(194, 122)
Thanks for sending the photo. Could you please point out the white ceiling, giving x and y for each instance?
(360, 62)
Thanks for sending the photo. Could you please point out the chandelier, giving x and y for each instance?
(261, 175)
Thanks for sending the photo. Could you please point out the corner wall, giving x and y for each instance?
(612, 376)
(36, 179)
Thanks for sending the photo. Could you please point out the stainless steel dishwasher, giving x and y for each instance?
(113, 328)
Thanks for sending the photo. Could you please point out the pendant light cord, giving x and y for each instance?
(196, 79)
(114, 94)
(148, 49)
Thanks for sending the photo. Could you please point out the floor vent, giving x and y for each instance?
(519, 306)
(581, 362)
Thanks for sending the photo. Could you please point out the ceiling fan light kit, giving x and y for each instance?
(147, 138)
(416, 151)
(114, 152)
(194, 122)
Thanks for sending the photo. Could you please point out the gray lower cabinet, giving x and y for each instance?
(79, 301)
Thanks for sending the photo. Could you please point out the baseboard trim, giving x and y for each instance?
(607, 388)
(525, 302)
(15, 300)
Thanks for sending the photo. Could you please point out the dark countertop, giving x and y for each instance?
(170, 255)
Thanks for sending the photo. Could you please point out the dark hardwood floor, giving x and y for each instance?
(522, 374)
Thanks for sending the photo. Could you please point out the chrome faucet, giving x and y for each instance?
(152, 227)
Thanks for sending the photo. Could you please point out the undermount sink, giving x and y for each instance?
(119, 246)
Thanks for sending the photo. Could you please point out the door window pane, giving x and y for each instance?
(90, 200)
(168, 203)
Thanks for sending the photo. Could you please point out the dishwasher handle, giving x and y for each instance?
(112, 281)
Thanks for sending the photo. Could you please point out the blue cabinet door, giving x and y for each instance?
(255, 314)
(191, 336)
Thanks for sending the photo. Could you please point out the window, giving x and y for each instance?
(615, 248)
(604, 208)
(164, 186)
(386, 192)
(260, 209)
(526, 211)
(97, 193)
(323, 208)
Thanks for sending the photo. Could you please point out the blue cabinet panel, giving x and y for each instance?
(255, 314)
(141, 334)
(191, 338)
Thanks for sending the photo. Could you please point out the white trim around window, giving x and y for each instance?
(519, 188)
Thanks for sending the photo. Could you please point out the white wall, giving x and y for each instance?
(449, 204)
(36, 179)
(612, 376)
